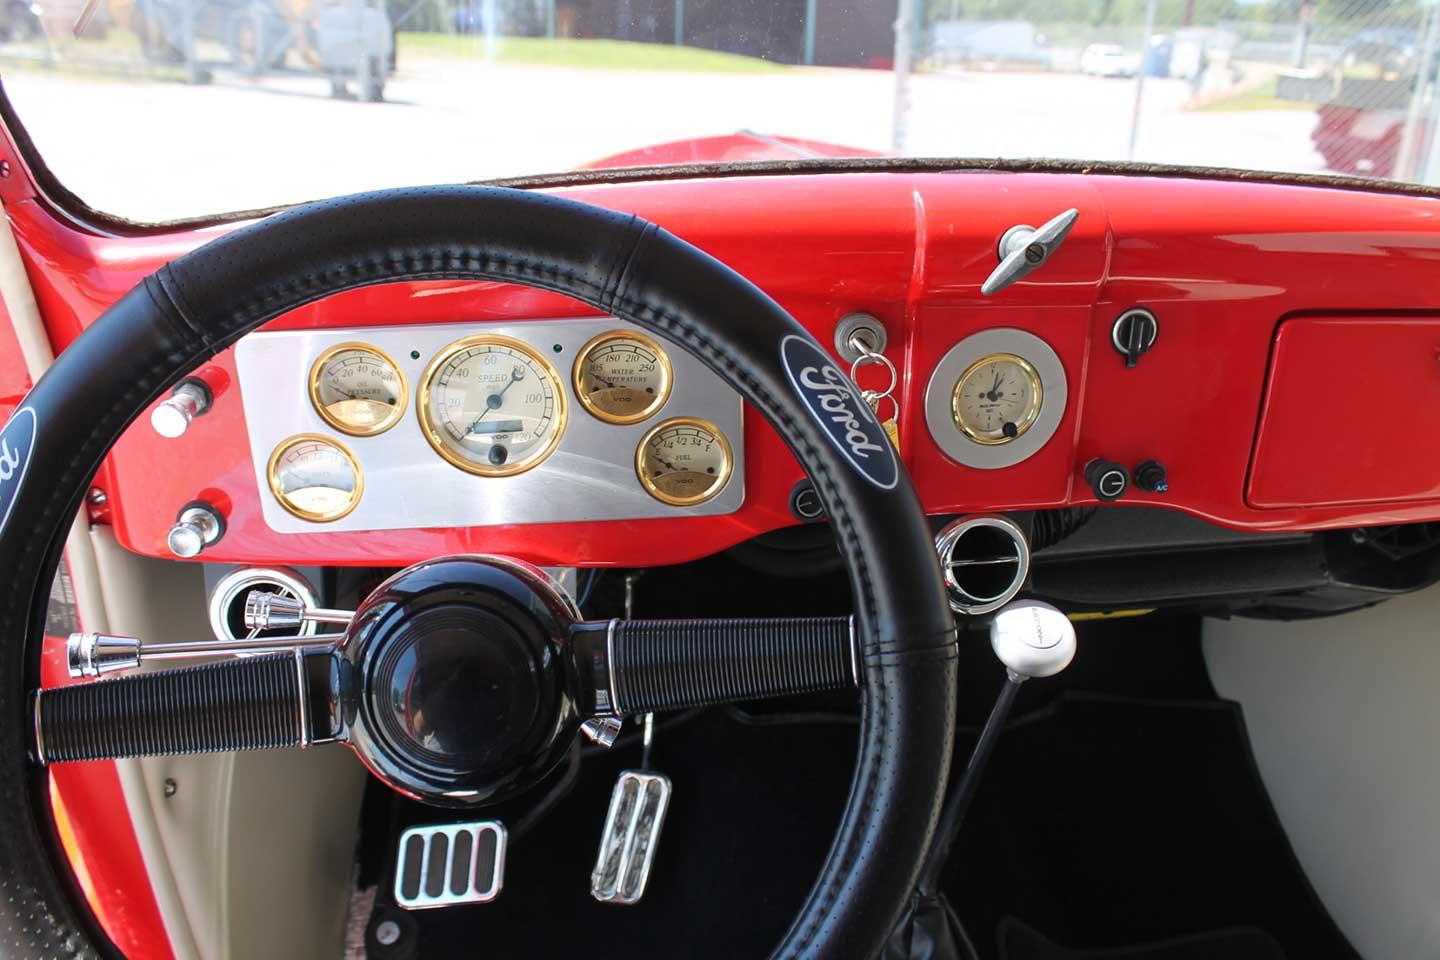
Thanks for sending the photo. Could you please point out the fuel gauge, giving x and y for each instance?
(684, 461)
(315, 478)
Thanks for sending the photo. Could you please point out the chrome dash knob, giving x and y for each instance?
(172, 417)
(198, 526)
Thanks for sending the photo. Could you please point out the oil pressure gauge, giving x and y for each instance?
(357, 389)
(622, 377)
(997, 398)
(684, 461)
(315, 478)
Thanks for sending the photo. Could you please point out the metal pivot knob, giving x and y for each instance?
(276, 611)
(1032, 639)
(1024, 248)
(190, 399)
(93, 654)
(198, 526)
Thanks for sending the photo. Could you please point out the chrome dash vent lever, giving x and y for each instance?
(1024, 249)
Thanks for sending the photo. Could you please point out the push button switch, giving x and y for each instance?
(1108, 480)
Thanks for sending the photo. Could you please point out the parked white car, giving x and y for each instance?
(1109, 60)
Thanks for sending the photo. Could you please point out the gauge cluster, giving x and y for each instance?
(533, 422)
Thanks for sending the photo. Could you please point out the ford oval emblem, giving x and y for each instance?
(835, 403)
(17, 439)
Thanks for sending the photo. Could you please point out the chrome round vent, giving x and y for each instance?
(985, 560)
(227, 601)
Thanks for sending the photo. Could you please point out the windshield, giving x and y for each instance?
(160, 109)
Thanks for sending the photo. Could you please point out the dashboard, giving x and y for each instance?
(1178, 350)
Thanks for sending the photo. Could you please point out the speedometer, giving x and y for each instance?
(492, 406)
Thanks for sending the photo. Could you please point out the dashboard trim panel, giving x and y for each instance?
(589, 476)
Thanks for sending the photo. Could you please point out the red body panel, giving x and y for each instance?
(1221, 264)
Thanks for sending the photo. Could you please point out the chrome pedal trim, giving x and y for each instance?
(450, 863)
(632, 833)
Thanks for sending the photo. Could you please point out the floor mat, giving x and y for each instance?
(1107, 820)
(1020, 942)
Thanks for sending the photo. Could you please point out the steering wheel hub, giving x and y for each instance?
(459, 694)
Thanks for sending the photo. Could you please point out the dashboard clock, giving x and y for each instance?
(315, 478)
(492, 406)
(997, 399)
(622, 377)
(357, 389)
(684, 461)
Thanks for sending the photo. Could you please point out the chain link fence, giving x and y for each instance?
(1357, 77)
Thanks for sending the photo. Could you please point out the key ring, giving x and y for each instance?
(873, 398)
(868, 355)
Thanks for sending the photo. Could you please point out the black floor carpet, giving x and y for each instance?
(1121, 818)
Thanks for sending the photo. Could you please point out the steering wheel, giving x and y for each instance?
(900, 646)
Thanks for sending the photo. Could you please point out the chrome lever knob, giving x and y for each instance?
(172, 417)
(1024, 249)
(93, 654)
(276, 611)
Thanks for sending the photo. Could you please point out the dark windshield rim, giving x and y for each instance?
(65, 204)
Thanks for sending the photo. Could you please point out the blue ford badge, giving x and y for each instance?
(835, 403)
(17, 439)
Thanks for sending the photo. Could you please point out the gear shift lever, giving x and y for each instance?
(1032, 639)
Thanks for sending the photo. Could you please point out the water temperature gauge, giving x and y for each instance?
(357, 389)
(315, 478)
(684, 461)
(622, 377)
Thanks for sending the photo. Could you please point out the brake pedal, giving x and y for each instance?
(632, 833)
(450, 863)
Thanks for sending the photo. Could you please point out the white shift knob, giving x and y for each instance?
(1032, 639)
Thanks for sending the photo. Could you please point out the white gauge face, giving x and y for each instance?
(997, 398)
(492, 406)
(684, 461)
(357, 389)
(622, 377)
(315, 478)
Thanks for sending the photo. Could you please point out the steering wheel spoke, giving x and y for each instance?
(283, 694)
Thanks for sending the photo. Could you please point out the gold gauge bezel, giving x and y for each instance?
(317, 372)
(667, 378)
(723, 480)
(1037, 399)
(433, 434)
(272, 475)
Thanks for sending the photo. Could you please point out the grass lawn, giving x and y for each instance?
(582, 54)
(1259, 98)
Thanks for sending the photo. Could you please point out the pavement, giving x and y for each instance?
(155, 150)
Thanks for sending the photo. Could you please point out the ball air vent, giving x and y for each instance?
(985, 560)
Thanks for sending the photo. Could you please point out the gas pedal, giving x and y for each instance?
(450, 863)
(632, 833)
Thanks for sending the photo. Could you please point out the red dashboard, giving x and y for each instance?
(1298, 336)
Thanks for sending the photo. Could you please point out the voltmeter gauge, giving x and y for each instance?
(315, 478)
(997, 398)
(684, 461)
(492, 405)
(622, 377)
(357, 389)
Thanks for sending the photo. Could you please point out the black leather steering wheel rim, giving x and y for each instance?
(194, 307)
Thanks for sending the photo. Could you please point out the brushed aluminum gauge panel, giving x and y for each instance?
(590, 476)
(957, 360)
